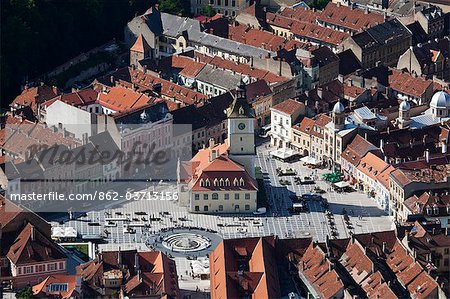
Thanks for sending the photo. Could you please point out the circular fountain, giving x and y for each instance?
(186, 242)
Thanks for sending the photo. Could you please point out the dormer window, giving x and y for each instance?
(207, 183)
(429, 210)
(235, 182)
(202, 183)
(241, 111)
(448, 209)
(221, 182)
(216, 182)
(436, 210)
(241, 182)
(227, 182)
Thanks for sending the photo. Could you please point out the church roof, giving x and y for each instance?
(240, 108)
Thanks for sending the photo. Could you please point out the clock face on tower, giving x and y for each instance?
(241, 126)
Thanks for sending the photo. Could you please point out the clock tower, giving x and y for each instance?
(241, 131)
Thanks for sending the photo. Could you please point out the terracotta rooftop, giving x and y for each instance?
(188, 66)
(83, 97)
(20, 135)
(34, 96)
(305, 126)
(120, 98)
(354, 19)
(140, 45)
(73, 289)
(127, 77)
(318, 271)
(144, 270)
(419, 204)
(208, 172)
(241, 68)
(319, 33)
(435, 171)
(289, 107)
(408, 84)
(31, 246)
(255, 37)
(371, 165)
(301, 14)
(354, 152)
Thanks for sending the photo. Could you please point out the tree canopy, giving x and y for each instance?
(38, 35)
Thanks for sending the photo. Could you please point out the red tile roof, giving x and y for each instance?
(19, 135)
(257, 38)
(408, 84)
(189, 67)
(301, 14)
(352, 18)
(41, 290)
(77, 98)
(241, 68)
(371, 165)
(32, 246)
(121, 98)
(354, 152)
(169, 89)
(289, 107)
(140, 45)
(316, 267)
(323, 34)
(383, 177)
(34, 96)
(305, 126)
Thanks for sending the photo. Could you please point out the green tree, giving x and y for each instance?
(208, 11)
(38, 35)
(318, 4)
(26, 293)
(175, 7)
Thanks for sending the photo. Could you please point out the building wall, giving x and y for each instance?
(73, 119)
(223, 205)
(31, 274)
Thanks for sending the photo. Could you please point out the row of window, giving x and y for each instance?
(206, 208)
(222, 182)
(226, 196)
(40, 268)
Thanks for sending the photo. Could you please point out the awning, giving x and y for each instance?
(64, 232)
(200, 267)
(341, 184)
(309, 160)
(283, 153)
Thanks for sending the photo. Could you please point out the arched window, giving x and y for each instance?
(235, 182)
(216, 182)
(215, 196)
(208, 183)
(241, 182)
(202, 183)
(227, 182)
(221, 182)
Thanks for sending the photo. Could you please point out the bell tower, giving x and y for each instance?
(241, 131)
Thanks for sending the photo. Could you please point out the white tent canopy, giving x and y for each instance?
(200, 266)
(64, 232)
(283, 153)
(341, 184)
(309, 160)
